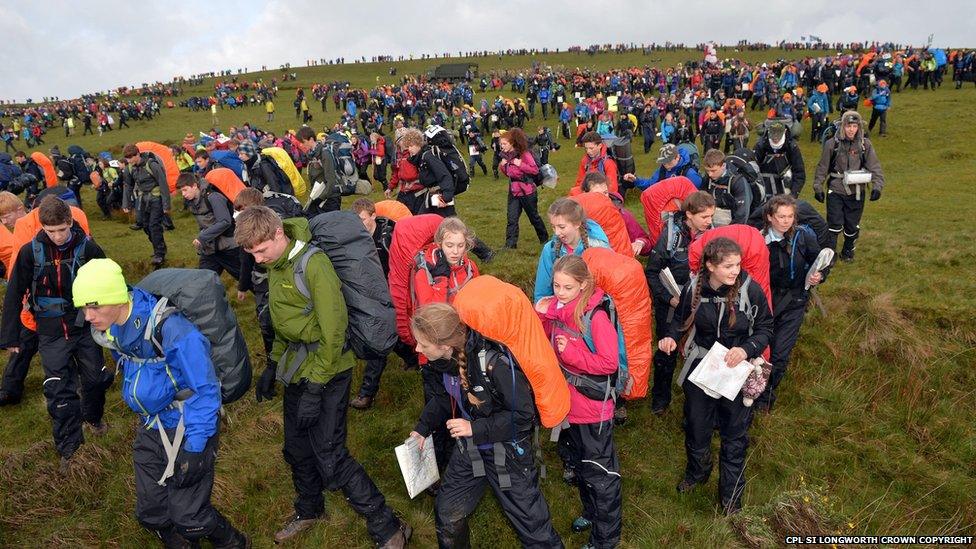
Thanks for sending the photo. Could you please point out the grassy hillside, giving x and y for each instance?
(873, 433)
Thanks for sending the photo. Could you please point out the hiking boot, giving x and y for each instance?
(9, 399)
(296, 525)
(659, 410)
(239, 541)
(489, 256)
(581, 524)
(64, 467)
(157, 260)
(730, 508)
(847, 257)
(135, 227)
(686, 486)
(173, 540)
(99, 429)
(620, 415)
(400, 538)
(361, 402)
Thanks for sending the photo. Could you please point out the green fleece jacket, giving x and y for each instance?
(327, 322)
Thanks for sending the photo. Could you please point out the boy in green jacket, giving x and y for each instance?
(315, 364)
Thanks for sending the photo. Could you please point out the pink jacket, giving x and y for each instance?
(578, 359)
(634, 230)
(521, 176)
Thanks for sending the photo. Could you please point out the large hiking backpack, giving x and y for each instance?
(694, 158)
(410, 236)
(22, 182)
(50, 306)
(50, 174)
(743, 163)
(631, 315)
(286, 167)
(599, 208)
(341, 235)
(201, 297)
(622, 152)
(76, 156)
(164, 155)
(503, 314)
(661, 198)
(334, 167)
(225, 181)
(441, 143)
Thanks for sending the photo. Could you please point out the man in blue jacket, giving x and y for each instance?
(674, 161)
(881, 99)
(175, 391)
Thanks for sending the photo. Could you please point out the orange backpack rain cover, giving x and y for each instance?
(599, 208)
(50, 174)
(664, 196)
(410, 236)
(392, 209)
(166, 157)
(622, 278)
(226, 181)
(502, 313)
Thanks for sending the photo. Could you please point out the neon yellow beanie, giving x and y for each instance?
(99, 282)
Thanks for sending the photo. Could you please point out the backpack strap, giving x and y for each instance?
(301, 278)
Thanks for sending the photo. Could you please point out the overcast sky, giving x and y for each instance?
(66, 48)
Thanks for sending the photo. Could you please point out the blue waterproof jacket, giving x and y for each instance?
(683, 167)
(555, 249)
(149, 385)
(881, 99)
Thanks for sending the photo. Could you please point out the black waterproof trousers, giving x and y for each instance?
(789, 309)
(530, 205)
(18, 364)
(598, 480)
(844, 214)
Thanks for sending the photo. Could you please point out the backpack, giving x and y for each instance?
(743, 162)
(389, 144)
(201, 297)
(441, 143)
(340, 235)
(50, 306)
(594, 386)
(336, 166)
(22, 182)
(420, 264)
(79, 167)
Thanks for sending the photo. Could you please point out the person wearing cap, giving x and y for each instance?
(673, 162)
(819, 106)
(175, 391)
(45, 268)
(145, 181)
(848, 164)
(881, 102)
(780, 161)
(260, 172)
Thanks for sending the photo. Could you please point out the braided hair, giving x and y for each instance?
(574, 214)
(714, 253)
(439, 323)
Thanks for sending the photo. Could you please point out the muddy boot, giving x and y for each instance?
(296, 525)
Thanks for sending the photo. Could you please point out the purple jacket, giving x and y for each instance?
(520, 176)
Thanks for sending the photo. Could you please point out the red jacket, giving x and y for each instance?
(588, 165)
(439, 281)
(577, 357)
(405, 174)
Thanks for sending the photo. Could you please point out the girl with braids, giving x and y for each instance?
(576, 319)
(572, 234)
(488, 408)
(793, 248)
(671, 252)
(711, 310)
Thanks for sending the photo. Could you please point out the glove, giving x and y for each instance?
(820, 196)
(265, 387)
(190, 468)
(875, 194)
(310, 405)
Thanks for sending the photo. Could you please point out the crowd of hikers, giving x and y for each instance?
(728, 257)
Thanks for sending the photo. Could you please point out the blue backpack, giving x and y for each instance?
(599, 387)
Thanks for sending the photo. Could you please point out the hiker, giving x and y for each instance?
(673, 161)
(671, 252)
(572, 234)
(260, 172)
(315, 153)
(175, 391)
(405, 177)
(780, 161)
(12, 387)
(880, 103)
(588, 354)
(519, 166)
(793, 248)
(381, 229)
(45, 268)
(108, 192)
(476, 148)
(848, 164)
(29, 166)
(733, 196)
(213, 211)
(596, 158)
(488, 410)
(708, 304)
(316, 368)
(819, 106)
(640, 241)
(145, 183)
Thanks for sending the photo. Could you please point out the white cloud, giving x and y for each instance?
(66, 48)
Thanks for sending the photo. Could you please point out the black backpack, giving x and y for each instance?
(441, 143)
(743, 163)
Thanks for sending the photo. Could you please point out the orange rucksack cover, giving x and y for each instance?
(50, 174)
(664, 196)
(392, 209)
(755, 255)
(165, 156)
(7, 249)
(410, 236)
(502, 313)
(226, 182)
(622, 278)
(599, 208)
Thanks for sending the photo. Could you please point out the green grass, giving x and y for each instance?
(873, 433)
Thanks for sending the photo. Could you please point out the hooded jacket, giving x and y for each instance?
(440, 281)
(520, 177)
(212, 211)
(683, 167)
(148, 178)
(839, 155)
(602, 163)
(554, 249)
(327, 322)
(577, 358)
(149, 388)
